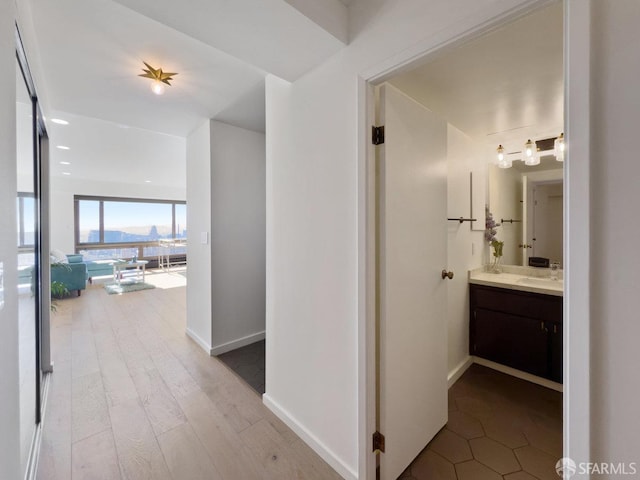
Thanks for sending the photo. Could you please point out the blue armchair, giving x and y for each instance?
(72, 275)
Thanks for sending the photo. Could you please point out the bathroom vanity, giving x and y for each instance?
(516, 320)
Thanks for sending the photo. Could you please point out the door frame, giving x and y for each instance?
(576, 359)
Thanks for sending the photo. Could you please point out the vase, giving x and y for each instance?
(496, 265)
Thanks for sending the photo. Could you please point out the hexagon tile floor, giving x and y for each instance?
(500, 427)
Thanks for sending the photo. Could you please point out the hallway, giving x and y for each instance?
(133, 397)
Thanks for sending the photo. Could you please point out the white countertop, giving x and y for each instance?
(519, 278)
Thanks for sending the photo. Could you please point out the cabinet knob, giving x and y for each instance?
(446, 274)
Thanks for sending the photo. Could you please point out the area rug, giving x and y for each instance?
(126, 287)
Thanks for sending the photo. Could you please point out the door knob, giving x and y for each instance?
(446, 274)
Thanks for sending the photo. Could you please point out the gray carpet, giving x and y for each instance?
(248, 363)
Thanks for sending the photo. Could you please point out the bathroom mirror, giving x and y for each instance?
(527, 203)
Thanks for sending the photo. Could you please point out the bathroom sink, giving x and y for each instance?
(541, 282)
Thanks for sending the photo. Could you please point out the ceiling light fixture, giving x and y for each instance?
(66, 173)
(59, 121)
(160, 78)
(559, 148)
(63, 147)
(65, 163)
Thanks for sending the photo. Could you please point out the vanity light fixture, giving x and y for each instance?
(160, 78)
(530, 152)
(559, 148)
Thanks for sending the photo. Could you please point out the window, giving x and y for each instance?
(128, 222)
(123, 227)
(26, 220)
(88, 230)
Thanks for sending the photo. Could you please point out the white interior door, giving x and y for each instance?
(413, 252)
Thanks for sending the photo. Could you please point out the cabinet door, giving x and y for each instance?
(511, 340)
(555, 330)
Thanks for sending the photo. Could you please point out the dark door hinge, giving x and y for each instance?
(377, 135)
(378, 442)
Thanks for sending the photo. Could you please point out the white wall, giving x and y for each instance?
(9, 381)
(199, 243)
(63, 189)
(237, 236)
(226, 198)
(312, 164)
(615, 197)
(465, 246)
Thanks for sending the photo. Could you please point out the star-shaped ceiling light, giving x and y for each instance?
(159, 78)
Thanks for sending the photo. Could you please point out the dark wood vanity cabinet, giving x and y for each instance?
(519, 329)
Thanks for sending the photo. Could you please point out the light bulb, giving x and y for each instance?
(531, 153)
(504, 163)
(559, 147)
(157, 87)
(500, 151)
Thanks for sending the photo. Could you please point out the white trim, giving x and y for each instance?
(449, 38)
(366, 283)
(446, 39)
(577, 232)
(457, 372)
(36, 442)
(240, 342)
(194, 336)
(320, 448)
(518, 374)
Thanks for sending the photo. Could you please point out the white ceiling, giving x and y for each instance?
(91, 53)
(106, 151)
(502, 88)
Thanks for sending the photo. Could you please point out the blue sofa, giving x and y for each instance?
(73, 274)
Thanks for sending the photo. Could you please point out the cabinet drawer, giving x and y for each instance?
(525, 304)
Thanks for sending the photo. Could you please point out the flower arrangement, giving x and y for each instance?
(490, 233)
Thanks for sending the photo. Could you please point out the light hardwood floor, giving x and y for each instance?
(132, 397)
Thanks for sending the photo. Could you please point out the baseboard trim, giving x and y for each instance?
(519, 374)
(458, 371)
(320, 448)
(240, 342)
(36, 442)
(196, 338)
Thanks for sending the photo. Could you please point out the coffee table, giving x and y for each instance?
(121, 266)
